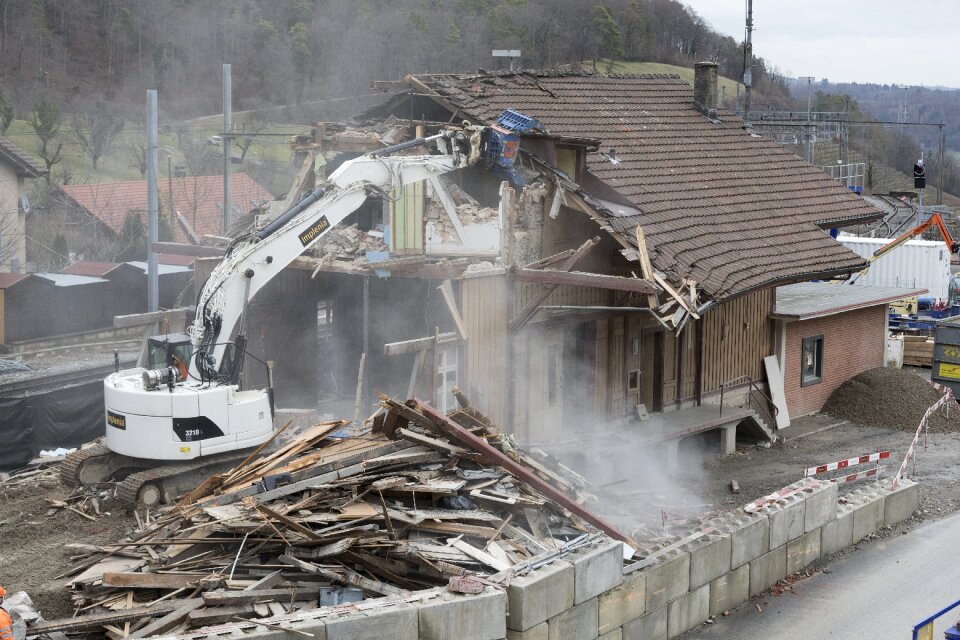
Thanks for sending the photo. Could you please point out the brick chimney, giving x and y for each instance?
(705, 88)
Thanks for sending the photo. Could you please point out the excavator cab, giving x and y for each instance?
(170, 350)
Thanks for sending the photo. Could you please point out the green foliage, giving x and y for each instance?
(132, 244)
(831, 102)
(299, 56)
(453, 34)
(301, 11)
(419, 23)
(266, 29)
(634, 29)
(6, 112)
(474, 7)
(610, 38)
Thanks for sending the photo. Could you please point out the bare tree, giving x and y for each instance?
(245, 139)
(45, 120)
(97, 127)
(136, 151)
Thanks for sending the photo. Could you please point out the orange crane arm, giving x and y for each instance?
(935, 220)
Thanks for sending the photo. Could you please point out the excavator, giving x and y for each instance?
(934, 221)
(170, 425)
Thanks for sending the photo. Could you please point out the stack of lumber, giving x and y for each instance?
(917, 351)
(419, 499)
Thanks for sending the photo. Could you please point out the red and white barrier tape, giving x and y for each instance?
(947, 395)
(858, 475)
(843, 464)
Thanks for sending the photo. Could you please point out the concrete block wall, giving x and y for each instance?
(740, 556)
(589, 594)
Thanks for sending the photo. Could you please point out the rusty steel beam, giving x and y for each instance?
(582, 279)
(469, 440)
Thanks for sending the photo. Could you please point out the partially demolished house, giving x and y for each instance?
(635, 266)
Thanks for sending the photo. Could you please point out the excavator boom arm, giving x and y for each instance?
(253, 262)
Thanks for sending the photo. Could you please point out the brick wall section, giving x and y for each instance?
(852, 343)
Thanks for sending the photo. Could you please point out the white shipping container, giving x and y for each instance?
(917, 263)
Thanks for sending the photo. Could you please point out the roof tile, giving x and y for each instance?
(731, 209)
(198, 199)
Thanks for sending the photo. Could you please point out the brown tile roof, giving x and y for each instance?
(198, 199)
(176, 259)
(10, 279)
(732, 210)
(26, 166)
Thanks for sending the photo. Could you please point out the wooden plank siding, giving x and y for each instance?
(686, 345)
(564, 295)
(485, 307)
(736, 337)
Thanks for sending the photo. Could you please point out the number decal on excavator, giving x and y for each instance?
(199, 428)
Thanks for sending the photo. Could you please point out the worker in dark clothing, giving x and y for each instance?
(6, 624)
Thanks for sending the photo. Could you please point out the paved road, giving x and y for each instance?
(880, 592)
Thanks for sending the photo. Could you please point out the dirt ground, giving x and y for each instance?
(32, 539)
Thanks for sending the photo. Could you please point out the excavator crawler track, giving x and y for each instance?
(161, 485)
(73, 465)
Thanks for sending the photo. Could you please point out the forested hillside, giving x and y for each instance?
(96, 54)
(897, 103)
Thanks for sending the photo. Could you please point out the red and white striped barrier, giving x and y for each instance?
(843, 464)
(860, 474)
(921, 428)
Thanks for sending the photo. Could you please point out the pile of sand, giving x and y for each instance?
(891, 398)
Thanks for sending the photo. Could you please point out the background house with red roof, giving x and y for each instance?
(15, 167)
(196, 203)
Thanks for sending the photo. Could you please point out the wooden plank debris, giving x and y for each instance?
(404, 507)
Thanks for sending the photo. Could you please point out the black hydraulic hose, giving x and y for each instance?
(290, 213)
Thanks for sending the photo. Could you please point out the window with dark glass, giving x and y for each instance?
(811, 361)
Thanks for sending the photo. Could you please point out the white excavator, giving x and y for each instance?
(172, 424)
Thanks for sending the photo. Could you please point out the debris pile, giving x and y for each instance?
(886, 397)
(348, 242)
(418, 501)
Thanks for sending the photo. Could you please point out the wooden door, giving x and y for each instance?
(651, 374)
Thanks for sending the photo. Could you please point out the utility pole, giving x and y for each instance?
(225, 140)
(809, 136)
(153, 223)
(940, 165)
(748, 62)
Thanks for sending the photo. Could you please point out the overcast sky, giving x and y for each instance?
(914, 42)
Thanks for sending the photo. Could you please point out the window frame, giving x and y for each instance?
(807, 380)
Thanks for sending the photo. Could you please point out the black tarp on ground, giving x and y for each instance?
(65, 417)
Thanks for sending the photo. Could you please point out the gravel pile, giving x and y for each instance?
(891, 398)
